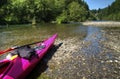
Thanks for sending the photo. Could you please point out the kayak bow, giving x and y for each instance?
(19, 67)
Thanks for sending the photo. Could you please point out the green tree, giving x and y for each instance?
(62, 18)
(77, 12)
(111, 12)
(74, 10)
(3, 4)
(17, 11)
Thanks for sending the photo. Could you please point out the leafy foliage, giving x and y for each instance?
(27, 11)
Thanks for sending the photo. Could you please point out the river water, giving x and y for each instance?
(23, 34)
(102, 42)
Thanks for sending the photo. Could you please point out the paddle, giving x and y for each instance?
(13, 48)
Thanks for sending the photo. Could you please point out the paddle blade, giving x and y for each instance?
(5, 51)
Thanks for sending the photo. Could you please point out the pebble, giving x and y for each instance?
(116, 61)
(109, 61)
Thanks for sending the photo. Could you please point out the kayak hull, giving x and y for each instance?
(19, 68)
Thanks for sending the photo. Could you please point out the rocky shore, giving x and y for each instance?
(103, 23)
(69, 61)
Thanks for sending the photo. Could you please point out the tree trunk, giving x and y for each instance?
(34, 21)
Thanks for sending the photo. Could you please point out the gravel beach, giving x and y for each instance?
(102, 23)
(69, 61)
(83, 52)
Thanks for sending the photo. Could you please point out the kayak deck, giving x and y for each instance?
(19, 67)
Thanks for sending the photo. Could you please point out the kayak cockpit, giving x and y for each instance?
(25, 52)
(4, 67)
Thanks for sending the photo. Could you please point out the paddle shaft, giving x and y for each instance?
(27, 44)
(13, 48)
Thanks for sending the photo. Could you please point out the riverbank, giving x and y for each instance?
(87, 23)
(103, 23)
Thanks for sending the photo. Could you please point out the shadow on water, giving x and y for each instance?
(42, 65)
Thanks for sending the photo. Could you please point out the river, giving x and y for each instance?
(23, 34)
(97, 48)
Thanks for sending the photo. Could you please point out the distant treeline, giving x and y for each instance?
(112, 12)
(32, 11)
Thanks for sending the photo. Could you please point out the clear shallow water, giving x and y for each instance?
(94, 35)
(23, 34)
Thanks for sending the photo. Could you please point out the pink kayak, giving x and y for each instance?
(20, 67)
